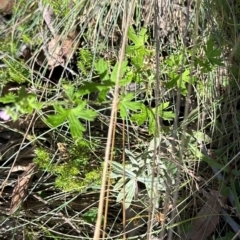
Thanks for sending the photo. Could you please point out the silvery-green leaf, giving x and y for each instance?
(115, 175)
(130, 174)
(129, 193)
(141, 164)
(131, 167)
(118, 169)
(137, 161)
(149, 169)
(153, 193)
(118, 185)
(202, 137)
(158, 182)
(131, 156)
(133, 160)
(152, 143)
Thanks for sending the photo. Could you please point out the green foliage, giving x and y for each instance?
(107, 75)
(8, 46)
(149, 114)
(139, 56)
(73, 109)
(74, 173)
(60, 8)
(211, 58)
(126, 103)
(179, 72)
(76, 109)
(43, 159)
(144, 113)
(137, 50)
(85, 61)
(139, 169)
(21, 103)
(102, 68)
(15, 71)
(91, 215)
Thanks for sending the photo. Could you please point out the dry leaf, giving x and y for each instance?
(48, 16)
(207, 218)
(160, 218)
(61, 50)
(55, 56)
(6, 6)
(62, 148)
(23, 163)
(20, 190)
(19, 168)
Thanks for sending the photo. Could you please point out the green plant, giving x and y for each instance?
(91, 215)
(76, 108)
(15, 69)
(137, 51)
(85, 61)
(179, 165)
(74, 173)
(178, 70)
(43, 159)
(148, 114)
(127, 102)
(24, 102)
(60, 8)
(211, 57)
(20, 103)
(139, 169)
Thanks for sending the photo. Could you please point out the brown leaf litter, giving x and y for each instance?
(207, 218)
(20, 190)
(61, 49)
(6, 6)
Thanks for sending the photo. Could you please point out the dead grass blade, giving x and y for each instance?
(207, 218)
(20, 190)
(111, 125)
